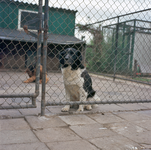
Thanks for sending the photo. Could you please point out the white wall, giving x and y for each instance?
(142, 51)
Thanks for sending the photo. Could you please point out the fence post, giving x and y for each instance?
(116, 47)
(38, 53)
(44, 58)
(132, 46)
(135, 68)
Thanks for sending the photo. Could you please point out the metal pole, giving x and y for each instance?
(38, 53)
(17, 95)
(122, 61)
(116, 47)
(44, 59)
(119, 16)
(135, 68)
(98, 102)
(18, 107)
(132, 46)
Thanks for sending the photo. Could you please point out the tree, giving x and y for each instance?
(99, 50)
(97, 35)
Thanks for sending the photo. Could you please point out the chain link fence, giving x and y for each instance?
(113, 36)
(19, 56)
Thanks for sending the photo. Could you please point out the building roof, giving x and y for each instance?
(17, 2)
(20, 35)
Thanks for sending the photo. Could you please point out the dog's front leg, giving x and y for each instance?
(83, 97)
(33, 78)
(81, 108)
(67, 107)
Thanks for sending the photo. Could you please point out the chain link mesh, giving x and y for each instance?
(17, 52)
(114, 37)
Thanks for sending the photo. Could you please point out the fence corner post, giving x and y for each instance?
(44, 59)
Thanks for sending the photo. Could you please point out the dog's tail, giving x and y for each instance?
(91, 94)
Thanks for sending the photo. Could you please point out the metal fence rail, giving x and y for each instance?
(113, 37)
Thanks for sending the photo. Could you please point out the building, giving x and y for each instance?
(18, 50)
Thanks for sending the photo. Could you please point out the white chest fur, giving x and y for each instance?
(74, 84)
(72, 77)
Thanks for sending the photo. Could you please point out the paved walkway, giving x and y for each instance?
(106, 127)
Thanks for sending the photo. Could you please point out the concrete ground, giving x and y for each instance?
(106, 127)
(107, 89)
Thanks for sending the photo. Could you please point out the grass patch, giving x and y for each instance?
(142, 79)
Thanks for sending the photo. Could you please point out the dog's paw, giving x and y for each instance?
(25, 81)
(95, 105)
(80, 108)
(66, 108)
(88, 107)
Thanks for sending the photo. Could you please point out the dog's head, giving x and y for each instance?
(30, 69)
(71, 56)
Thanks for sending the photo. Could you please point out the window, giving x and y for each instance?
(26, 15)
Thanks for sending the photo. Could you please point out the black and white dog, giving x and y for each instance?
(77, 81)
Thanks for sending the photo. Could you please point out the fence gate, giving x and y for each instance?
(20, 54)
(113, 36)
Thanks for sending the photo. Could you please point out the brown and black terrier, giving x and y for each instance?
(31, 71)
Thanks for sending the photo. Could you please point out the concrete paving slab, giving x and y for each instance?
(17, 136)
(44, 122)
(13, 124)
(148, 105)
(56, 110)
(72, 145)
(131, 131)
(145, 112)
(132, 106)
(146, 146)
(132, 116)
(140, 138)
(117, 142)
(77, 119)
(31, 111)
(125, 128)
(91, 131)
(109, 108)
(105, 118)
(27, 146)
(146, 124)
(9, 114)
(56, 135)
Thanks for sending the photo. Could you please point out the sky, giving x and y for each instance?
(91, 11)
(98, 9)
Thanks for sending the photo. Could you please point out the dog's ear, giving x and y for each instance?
(78, 62)
(31, 67)
(79, 55)
(61, 57)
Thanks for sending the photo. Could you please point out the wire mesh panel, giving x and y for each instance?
(114, 40)
(19, 64)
